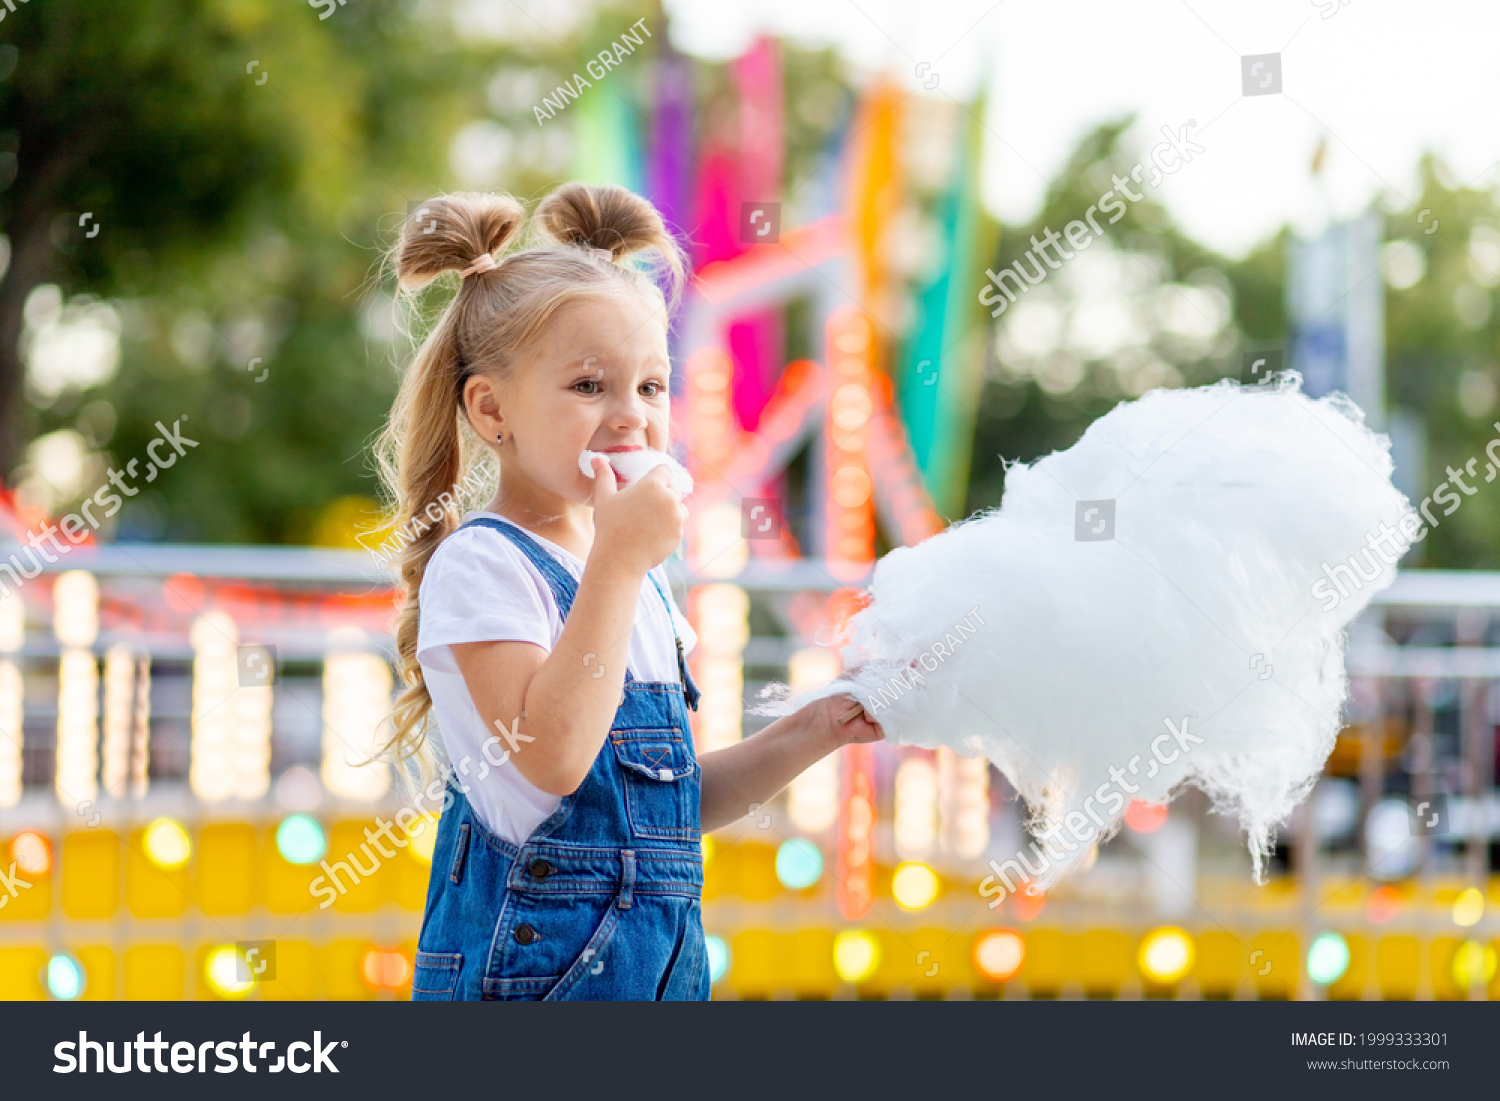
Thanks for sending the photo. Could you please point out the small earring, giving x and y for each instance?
(499, 437)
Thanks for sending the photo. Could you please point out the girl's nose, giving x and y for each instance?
(629, 414)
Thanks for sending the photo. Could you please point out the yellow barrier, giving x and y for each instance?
(90, 868)
(1046, 966)
(152, 891)
(98, 973)
(1220, 963)
(226, 873)
(1350, 987)
(154, 973)
(1275, 963)
(21, 974)
(1397, 966)
(1105, 963)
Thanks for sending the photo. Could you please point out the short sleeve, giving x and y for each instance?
(479, 587)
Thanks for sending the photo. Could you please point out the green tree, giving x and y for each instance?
(241, 161)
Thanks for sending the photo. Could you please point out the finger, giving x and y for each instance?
(604, 477)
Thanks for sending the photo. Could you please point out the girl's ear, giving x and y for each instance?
(482, 403)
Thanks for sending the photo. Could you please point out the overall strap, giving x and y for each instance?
(690, 690)
(564, 588)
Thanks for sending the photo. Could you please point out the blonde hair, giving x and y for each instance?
(581, 235)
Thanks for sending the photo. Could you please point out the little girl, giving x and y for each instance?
(540, 637)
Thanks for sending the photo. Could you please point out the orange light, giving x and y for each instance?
(851, 487)
(386, 969)
(1145, 817)
(31, 852)
(1026, 905)
(184, 592)
(999, 954)
(1383, 905)
(854, 888)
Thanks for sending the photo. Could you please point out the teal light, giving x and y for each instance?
(1327, 959)
(718, 958)
(300, 840)
(799, 864)
(64, 978)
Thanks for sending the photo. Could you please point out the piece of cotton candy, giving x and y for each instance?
(1148, 607)
(635, 464)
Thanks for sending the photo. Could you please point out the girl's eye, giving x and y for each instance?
(653, 389)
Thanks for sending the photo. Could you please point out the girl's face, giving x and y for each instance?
(596, 380)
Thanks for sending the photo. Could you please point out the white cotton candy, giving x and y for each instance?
(1082, 656)
(635, 464)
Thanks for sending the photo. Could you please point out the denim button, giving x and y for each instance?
(525, 934)
(540, 869)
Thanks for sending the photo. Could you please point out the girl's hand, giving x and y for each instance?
(639, 526)
(823, 718)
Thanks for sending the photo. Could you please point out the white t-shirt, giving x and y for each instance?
(480, 587)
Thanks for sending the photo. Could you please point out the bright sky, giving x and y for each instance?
(1383, 79)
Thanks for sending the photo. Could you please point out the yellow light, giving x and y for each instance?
(75, 609)
(915, 885)
(1468, 908)
(12, 623)
(813, 797)
(721, 549)
(1473, 963)
(167, 844)
(721, 617)
(119, 717)
(1166, 955)
(420, 845)
(999, 954)
(724, 611)
(708, 849)
(31, 852)
(855, 955)
(230, 752)
(228, 972)
(963, 804)
(77, 727)
(356, 705)
(916, 825)
(12, 713)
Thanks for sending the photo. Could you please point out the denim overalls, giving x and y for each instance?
(604, 900)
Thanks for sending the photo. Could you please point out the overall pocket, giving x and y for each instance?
(662, 782)
(591, 960)
(546, 945)
(435, 977)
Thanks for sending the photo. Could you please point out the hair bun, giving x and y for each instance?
(608, 218)
(448, 232)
